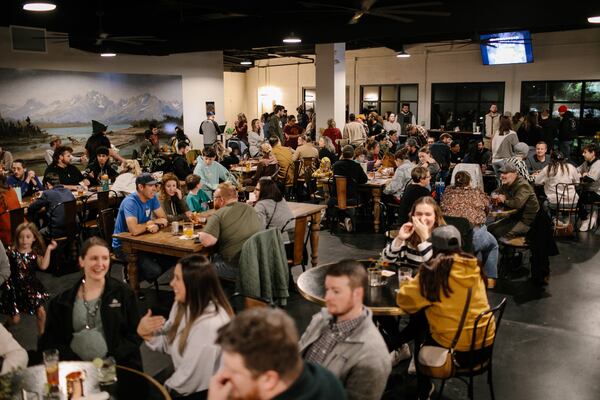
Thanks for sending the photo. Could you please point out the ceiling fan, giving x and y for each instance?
(396, 12)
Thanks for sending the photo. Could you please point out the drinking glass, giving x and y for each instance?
(375, 278)
(188, 229)
(51, 364)
(404, 275)
(107, 372)
(80, 190)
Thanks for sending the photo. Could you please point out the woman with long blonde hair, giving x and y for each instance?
(199, 310)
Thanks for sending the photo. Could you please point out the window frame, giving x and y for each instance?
(398, 101)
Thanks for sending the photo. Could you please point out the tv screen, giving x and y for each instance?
(506, 48)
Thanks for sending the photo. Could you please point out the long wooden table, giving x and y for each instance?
(164, 242)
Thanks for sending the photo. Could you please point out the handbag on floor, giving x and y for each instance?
(438, 362)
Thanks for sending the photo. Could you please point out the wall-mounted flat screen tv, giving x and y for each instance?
(506, 48)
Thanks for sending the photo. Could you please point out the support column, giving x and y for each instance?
(330, 84)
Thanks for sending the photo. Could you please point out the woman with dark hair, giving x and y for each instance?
(272, 208)
(254, 138)
(180, 137)
(503, 141)
(558, 171)
(171, 199)
(373, 159)
(530, 131)
(97, 317)
(188, 336)
(462, 200)
(436, 298)
(241, 127)
(8, 201)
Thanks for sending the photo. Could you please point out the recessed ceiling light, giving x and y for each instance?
(594, 20)
(108, 54)
(246, 62)
(402, 55)
(292, 39)
(39, 6)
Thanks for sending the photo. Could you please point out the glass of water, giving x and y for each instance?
(107, 372)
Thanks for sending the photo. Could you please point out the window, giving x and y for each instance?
(581, 97)
(462, 104)
(384, 98)
(309, 98)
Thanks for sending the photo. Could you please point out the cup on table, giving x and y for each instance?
(80, 190)
(371, 175)
(51, 365)
(375, 277)
(107, 371)
(175, 227)
(188, 229)
(404, 275)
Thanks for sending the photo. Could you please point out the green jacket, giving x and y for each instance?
(521, 196)
(275, 128)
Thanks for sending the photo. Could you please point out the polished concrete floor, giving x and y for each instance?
(548, 345)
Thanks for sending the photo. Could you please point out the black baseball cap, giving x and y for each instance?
(145, 179)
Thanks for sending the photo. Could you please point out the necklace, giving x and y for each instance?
(90, 312)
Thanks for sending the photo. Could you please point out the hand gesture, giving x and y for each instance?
(31, 174)
(161, 222)
(377, 163)
(405, 231)
(501, 198)
(179, 194)
(149, 325)
(421, 229)
(52, 246)
(220, 387)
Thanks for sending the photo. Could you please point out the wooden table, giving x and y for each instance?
(380, 299)
(375, 187)
(164, 242)
(501, 212)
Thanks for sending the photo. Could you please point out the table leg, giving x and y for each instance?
(376, 208)
(314, 238)
(132, 267)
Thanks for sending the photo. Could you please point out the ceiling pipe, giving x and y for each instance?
(286, 64)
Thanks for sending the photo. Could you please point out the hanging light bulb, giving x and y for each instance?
(39, 6)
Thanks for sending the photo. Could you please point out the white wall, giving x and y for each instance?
(569, 55)
(235, 96)
(202, 73)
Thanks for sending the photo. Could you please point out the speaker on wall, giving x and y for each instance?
(28, 39)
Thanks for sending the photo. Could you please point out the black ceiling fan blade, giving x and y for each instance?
(392, 17)
(321, 5)
(124, 41)
(417, 12)
(412, 5)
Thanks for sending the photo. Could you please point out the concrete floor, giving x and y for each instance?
(548, 346)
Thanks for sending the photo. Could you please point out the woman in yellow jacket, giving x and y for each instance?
(440, 290)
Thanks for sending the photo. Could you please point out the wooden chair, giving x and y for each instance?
(65, 257)
(90, 210)
(484, 365)
(342, 206)
(17, 217)
(241, 302)
(308, 167)
(300, 253)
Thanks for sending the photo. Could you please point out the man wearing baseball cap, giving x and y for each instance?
(139, 213)
(567, 129)
(515, 193)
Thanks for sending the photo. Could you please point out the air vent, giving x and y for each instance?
(28, 39)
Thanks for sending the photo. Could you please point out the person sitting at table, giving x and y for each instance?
(55, 142)
(54, 216)
(68, 174)
(272, 209)
(181, 168)
(128, 172)
(440, 152)
(436, 298)
(559, 170)
(539, 159)
(210, 171)
(267, 165)
(12, 355)
(411, 245)
(462, 200)
(229, 228)
(416, 188)
(345, 329)
(97, 317)
(305, 149)
(478, 154)
(199, 309)
(428, 162)
(373, 160)
(401, 177)
(413, 150)
(100, 167)
(24, 179)
(8, 201)
(515, 193)
(171, 199)
(254, 138)
(456, 156)
(180, 137)
(590, 179)
(521, 150)
(327, 149)
(285, 159)
(226, 156)
(261, 361)
(196, 199)
(140, 212)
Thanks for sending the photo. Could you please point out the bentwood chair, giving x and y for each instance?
(345, 204)
(566, 206)
(480, 364)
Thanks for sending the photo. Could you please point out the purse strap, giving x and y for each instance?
(462, 319)
(272, 215)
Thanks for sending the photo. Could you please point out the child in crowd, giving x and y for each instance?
(323, 172)
(23, 292)
(197, 200)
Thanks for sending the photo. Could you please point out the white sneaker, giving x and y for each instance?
(400, 354)
(585, 225)
(593, 219)
(348, 224)
(412, 368)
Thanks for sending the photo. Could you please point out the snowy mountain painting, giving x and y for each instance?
(65, 97)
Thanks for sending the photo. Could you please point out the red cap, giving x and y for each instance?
(562, 108)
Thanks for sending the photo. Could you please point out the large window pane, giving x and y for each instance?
(371, 93)
(409, 93)
(467, 93)
(566, 91)
(389, 93)
(492, 93)
(535, 91)
(466, 114)
(389, 106)
(592, 91)
(573, 107)
(590, 123)
(539, 107)
(368, 106)
(442, 92)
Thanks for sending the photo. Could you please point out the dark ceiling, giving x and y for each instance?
(247, 29)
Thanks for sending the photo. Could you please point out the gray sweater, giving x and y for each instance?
(283, 219)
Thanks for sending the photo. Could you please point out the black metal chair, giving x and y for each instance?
(481, 366)
(67, 253)
(566, 204)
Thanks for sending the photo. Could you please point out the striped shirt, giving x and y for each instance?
(405, 254)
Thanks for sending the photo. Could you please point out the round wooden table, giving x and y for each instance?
(131, 384)
(380, 299)
(502, 212)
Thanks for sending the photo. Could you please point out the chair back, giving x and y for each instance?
(297, 168)
(299, 235)
(69, 218)
(106, 224)
(341, 191)
(474, 170)
(240, 302)
(17, 217)
(566, 196)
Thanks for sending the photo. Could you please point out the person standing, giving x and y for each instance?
(391, 124)
(405, 117)
(354, 131)
(291, 132)
(275, 124)
(99, 139)
(241, 127)
(492, 124)
(567, 129)
(549, 129)
(333, 133)
(209, 129)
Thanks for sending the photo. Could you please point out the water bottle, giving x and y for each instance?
(105, 182)
(439, 190)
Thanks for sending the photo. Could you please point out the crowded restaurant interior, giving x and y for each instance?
(255, 200)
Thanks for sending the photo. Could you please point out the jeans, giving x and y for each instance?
(485, 243)
(224, 269)
(565, 148)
